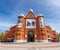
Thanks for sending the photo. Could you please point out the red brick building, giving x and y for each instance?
(30, 28)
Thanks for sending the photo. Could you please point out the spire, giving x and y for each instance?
(31, 10)
(40, 14)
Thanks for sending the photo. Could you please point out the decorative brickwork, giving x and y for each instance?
(30, 28)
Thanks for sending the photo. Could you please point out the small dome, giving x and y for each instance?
(12, 25)
(21, 15)
(31, 10)
(40, 15)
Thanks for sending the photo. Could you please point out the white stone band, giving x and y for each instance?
(43, 40)
(19, 41)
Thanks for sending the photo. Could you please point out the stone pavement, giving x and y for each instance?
(30, 46)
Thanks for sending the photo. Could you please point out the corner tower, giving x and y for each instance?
(19, 34)
(42, 34)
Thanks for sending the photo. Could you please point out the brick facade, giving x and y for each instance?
(21, 32)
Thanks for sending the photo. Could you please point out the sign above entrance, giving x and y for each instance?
(30, 23)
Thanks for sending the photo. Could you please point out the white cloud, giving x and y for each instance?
(4, 26)
(54, 16)
(54, 3)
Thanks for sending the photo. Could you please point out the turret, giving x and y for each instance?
(19, 23)
(42, 33)
(41, 20)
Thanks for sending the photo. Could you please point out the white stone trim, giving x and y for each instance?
(19, 41)
(43, 40)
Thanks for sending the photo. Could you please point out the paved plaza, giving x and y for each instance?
(30, 46)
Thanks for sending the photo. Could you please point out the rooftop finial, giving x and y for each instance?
(31, 10)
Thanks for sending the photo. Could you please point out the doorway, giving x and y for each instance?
(30, 36)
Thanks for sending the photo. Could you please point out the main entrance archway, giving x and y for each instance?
(30, 36)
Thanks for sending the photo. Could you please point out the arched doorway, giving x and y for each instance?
(30, 36)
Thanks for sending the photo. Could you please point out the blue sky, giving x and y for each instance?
(10, 9)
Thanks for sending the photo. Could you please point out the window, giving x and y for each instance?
(41, 25)
(41, 30)
(19, 20)
(42, 35)
(48, 36)
(33, 23)
(18, 30)
(28, 23)
(18, 34)
(41, 22)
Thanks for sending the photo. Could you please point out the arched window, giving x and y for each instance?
(41, 22)
(28, 23)
(33, 23)
(20, 20)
